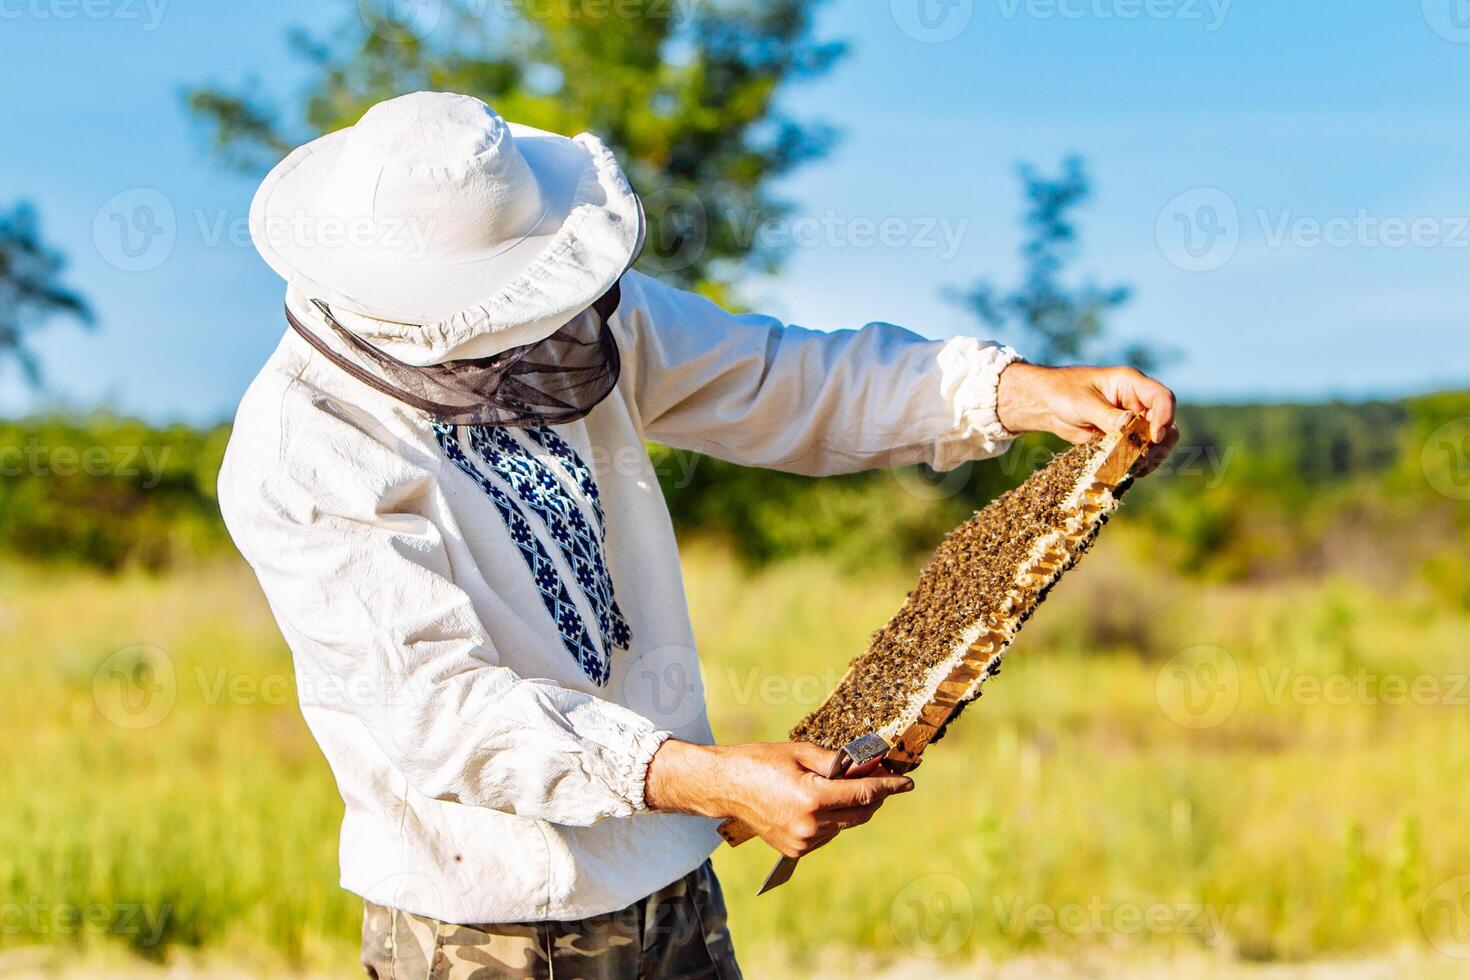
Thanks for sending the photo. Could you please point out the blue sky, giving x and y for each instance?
(1315, 153)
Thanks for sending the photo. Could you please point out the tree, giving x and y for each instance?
(684, 91)
(1059, 323)
(31, 292)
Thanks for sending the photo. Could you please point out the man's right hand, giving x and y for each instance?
(778, 789)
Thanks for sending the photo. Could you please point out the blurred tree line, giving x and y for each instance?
(1253, 492)
(110, 493)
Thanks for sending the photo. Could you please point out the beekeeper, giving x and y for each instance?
(440, 478)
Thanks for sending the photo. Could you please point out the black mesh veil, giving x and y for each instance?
(551, 382)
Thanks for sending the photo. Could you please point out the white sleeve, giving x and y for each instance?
(349, 552)
(752, 390)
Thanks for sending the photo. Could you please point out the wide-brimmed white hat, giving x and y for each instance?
(437, 230)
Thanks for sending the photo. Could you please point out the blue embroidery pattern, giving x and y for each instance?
(554, 595)
(580, 471)
(538, 488)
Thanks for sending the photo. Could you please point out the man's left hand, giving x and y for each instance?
(1077, 403)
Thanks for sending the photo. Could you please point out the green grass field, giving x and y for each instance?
(1221, 774)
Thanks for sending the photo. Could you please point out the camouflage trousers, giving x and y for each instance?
(677, 933)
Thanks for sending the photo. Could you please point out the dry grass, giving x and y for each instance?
(1090, 785)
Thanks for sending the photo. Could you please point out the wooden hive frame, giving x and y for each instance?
(1105, 470)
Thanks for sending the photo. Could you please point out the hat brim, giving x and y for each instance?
(425, 310)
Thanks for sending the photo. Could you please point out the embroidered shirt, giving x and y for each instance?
(489, 626)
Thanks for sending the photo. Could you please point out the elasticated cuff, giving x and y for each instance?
(970, 380)
(633, 778)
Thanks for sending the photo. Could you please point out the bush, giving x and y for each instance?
(109, 492)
